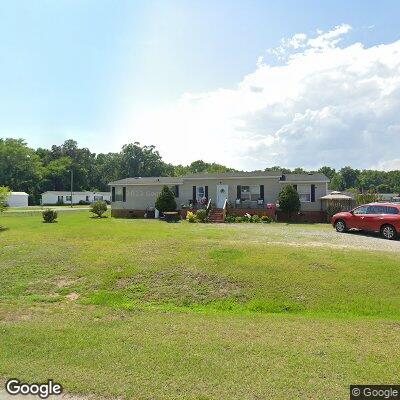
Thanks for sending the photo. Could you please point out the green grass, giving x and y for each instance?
(144, 309)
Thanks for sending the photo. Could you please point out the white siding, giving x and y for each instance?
(18, 200)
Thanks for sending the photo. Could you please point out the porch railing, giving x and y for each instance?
(224, 209)
(208, 208)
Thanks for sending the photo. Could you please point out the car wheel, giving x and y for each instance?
(388, 232)
(340, 226)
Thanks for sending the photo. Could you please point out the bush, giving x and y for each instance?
(289, 201)
(83, 203)
(201, 215)
(190, 217)
(230, 218)
(240, 219)
(266, 218)
(49, 216)
(166, 200)
(255, 218)
(99, 208)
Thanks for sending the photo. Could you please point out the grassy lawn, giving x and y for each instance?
(144, 309)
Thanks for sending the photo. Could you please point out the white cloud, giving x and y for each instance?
(325, 105)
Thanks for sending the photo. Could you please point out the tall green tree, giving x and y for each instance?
(20, 167)
(327, 171)
(350, 177)
(337, 182)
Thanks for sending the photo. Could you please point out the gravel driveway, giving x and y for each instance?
(318, 235)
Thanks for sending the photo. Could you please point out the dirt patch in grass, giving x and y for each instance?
(72, 296)
(182, 287)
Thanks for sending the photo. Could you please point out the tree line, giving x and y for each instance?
(37, 170)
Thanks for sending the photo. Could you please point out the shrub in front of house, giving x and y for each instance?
(266, 218)
(83, 203)
(230, 219)
(99, 208)
(165, 200)
(190, 217)
(289, 201)
(247, 218)
(201, 215)
(49, 216)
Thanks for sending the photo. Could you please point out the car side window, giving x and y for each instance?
(360, 210)
(377, 210)
(392, 210)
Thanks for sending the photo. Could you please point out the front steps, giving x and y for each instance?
(216, 215)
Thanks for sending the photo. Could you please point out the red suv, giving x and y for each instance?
(376, 217)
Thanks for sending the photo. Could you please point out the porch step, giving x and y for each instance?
(216, 215)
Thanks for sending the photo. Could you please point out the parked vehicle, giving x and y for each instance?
(374, 217)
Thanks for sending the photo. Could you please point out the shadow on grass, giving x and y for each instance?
(98, 217)
(3, 228)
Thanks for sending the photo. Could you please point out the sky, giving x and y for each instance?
(248, 84)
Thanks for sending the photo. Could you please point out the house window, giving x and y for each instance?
(118, 193)
(87, 198)
(250, 193)
(304, 192)
(60, 199)
(96, 198)
(200, 192)
(67, 198)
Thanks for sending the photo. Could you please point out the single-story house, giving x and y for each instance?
(64, 197)
(390, 197)
(252, 192)
(18, 199)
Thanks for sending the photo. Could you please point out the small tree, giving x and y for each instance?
(166, 200)
(99, 208)
(289, 201)
(4, 193)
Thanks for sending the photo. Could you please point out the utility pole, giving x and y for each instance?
(72, 183)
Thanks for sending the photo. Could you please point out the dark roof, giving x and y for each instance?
(154, 180)
(306, 178)
(245, 174)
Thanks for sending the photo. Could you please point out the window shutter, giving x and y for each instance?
(123, 193)
(295, 187)
(313, 193)
(176, 190)
(194, 194)
(262, 192)
(206, 191)
(239, 192)
(113, 194)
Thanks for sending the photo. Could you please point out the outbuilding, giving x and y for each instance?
(18, 199)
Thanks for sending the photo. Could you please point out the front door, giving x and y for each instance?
(222, 195)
